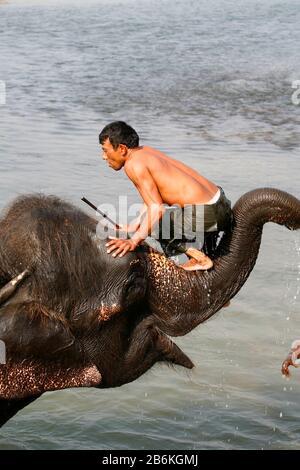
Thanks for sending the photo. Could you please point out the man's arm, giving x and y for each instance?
(135, 223)
(145, 184)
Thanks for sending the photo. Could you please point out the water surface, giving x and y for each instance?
(210, 84)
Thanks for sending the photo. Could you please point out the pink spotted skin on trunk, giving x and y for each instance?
(168, 281)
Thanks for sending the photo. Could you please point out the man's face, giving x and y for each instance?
(114, 158)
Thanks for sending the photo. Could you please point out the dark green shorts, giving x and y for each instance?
(188, 226)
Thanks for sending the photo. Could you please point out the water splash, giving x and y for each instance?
(292, 291)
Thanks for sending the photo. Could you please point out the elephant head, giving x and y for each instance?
(83, 318)
(51, 313)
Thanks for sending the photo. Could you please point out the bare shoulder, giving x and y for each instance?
(139, 160)
(135, 166)
(142, 162)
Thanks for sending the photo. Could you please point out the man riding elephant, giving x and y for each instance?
(163, 180)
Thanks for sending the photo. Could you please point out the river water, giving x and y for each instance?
(209, 83)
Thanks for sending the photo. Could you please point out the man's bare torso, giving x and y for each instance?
(176, 182)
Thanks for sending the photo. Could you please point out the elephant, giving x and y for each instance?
(71, 315)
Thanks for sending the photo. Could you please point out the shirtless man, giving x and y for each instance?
(159, 180)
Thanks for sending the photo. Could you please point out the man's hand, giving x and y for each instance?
(120, 247)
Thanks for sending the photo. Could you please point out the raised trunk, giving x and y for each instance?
(180, 300)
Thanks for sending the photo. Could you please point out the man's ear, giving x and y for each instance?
(124, 149)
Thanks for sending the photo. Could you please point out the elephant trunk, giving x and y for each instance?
(180, 299)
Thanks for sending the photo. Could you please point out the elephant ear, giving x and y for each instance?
(39, 353)
(30, 330)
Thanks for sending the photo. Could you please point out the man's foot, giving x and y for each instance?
(194, 265)
(199, 260)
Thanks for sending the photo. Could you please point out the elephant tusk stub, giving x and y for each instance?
(9, 289)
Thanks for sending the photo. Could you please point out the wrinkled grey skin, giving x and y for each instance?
(106, 320)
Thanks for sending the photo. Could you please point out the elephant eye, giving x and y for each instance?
(129, 286)
(134, 289)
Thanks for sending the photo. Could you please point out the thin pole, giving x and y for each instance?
(99, 212)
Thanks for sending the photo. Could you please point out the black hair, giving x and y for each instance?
(118, 132)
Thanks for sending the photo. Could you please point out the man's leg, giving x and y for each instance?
(179, 222)
(193, 229)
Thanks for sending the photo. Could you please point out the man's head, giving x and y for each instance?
(116, 139)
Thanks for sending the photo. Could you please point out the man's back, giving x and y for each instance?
(176, 182)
